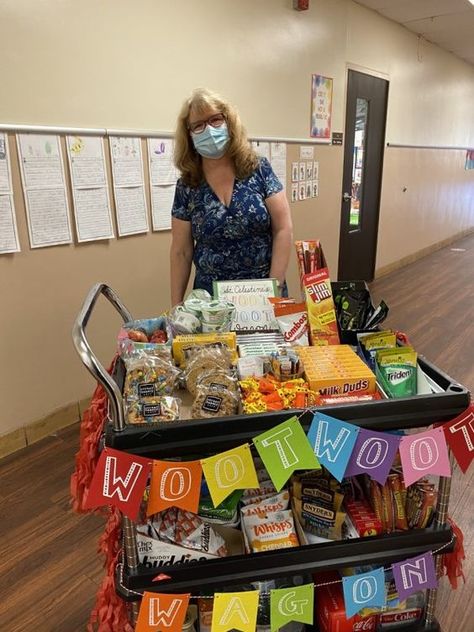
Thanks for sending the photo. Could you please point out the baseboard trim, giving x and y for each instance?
(419, 254)
(36, 430)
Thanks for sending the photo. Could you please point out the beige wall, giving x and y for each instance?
(124, 64)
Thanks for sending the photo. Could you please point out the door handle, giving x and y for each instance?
(346, 197)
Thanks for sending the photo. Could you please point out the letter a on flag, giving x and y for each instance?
(235, 611)
(175, 485)
(120, 480)
(162, 612)
(228, 471)
(284, 449)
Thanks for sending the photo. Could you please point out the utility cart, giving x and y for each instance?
(197, 438)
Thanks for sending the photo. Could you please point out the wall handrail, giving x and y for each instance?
(408, 146)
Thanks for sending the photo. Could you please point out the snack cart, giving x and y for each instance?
(200, 437)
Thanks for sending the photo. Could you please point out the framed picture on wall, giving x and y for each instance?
(321, 107)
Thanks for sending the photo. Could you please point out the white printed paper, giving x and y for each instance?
(5, 173)
(315, 188)
(132, 216)
(295, 171)
(316, 170)
(48, 217)
(92, 213)
(306, 152)
(8, 228)
(127, 165)
(278, 161)
(261, 148)
(87, 161)
(294, 192)
(41, 161)
(129, 185)
(160, 155)
(42, 175)
(161, 204)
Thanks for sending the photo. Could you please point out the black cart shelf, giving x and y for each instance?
(198, 437)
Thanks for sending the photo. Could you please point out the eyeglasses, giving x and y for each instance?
(216, 120)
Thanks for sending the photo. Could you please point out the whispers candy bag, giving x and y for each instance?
(274, 531)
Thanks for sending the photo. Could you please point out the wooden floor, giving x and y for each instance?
(49, 570)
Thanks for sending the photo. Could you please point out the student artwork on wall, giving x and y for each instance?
(321, 107)
(8, 228)
(304, 177)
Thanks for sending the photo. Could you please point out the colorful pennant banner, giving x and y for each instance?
(333, 442)
(284, 449)
(235, 611)
(363, 591)
(416, 573)
(424, 453)
(162, 612)
(373, 454)
(120, 480)
(229, 471)
(344, 449)
(174, 485)
(291, 604)
(459, 435)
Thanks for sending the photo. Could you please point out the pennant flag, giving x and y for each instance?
(424, 453)
(459, 434)
(364, 590)
(228, 471)
(235, 611)
(162, 612)
(416, 573)
(175, 484)
(120, 480)
(291, 604)
(333, 441)
(284, 449)
(373, 454)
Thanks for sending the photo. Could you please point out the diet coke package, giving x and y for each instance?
(330, 609)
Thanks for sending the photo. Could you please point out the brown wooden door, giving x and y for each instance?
(366, 112)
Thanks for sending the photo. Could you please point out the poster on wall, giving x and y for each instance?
(321, 107)
(469, 159)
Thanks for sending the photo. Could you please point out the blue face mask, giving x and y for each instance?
(212, 142)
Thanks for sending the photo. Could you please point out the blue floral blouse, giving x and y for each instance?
(235, 241)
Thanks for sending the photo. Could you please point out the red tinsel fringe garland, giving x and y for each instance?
(88, 454)
(452, 562)
(110, 612)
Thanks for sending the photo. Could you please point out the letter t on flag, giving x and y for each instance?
(459, 434)
(120, 480)
(162, 612)
(284, 449)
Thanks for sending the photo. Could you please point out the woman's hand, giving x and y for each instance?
(282, 232)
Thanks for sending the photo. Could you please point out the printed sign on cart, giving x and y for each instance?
(253, 311)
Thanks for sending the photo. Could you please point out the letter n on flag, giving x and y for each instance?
(162, 612)
(120, 480)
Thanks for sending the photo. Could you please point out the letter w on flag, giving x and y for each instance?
(162, 612)
(119, 480)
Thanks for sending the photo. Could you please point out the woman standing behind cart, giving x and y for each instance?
(230, 214)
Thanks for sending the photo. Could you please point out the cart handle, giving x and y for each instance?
(89, 358)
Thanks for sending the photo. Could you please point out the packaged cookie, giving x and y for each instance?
(150, 410)
(149, 376)
(205, 361)
(214, 401)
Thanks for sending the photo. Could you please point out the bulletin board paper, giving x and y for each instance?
(90, 191)
(43, 181)
(129, 185)
(160, 156)
(8, 228)
(162, 198)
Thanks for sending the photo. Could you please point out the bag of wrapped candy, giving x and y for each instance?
(150, 335)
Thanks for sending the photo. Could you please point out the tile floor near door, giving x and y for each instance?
(49, 570)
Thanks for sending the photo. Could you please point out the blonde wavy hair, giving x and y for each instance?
(186, 158)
